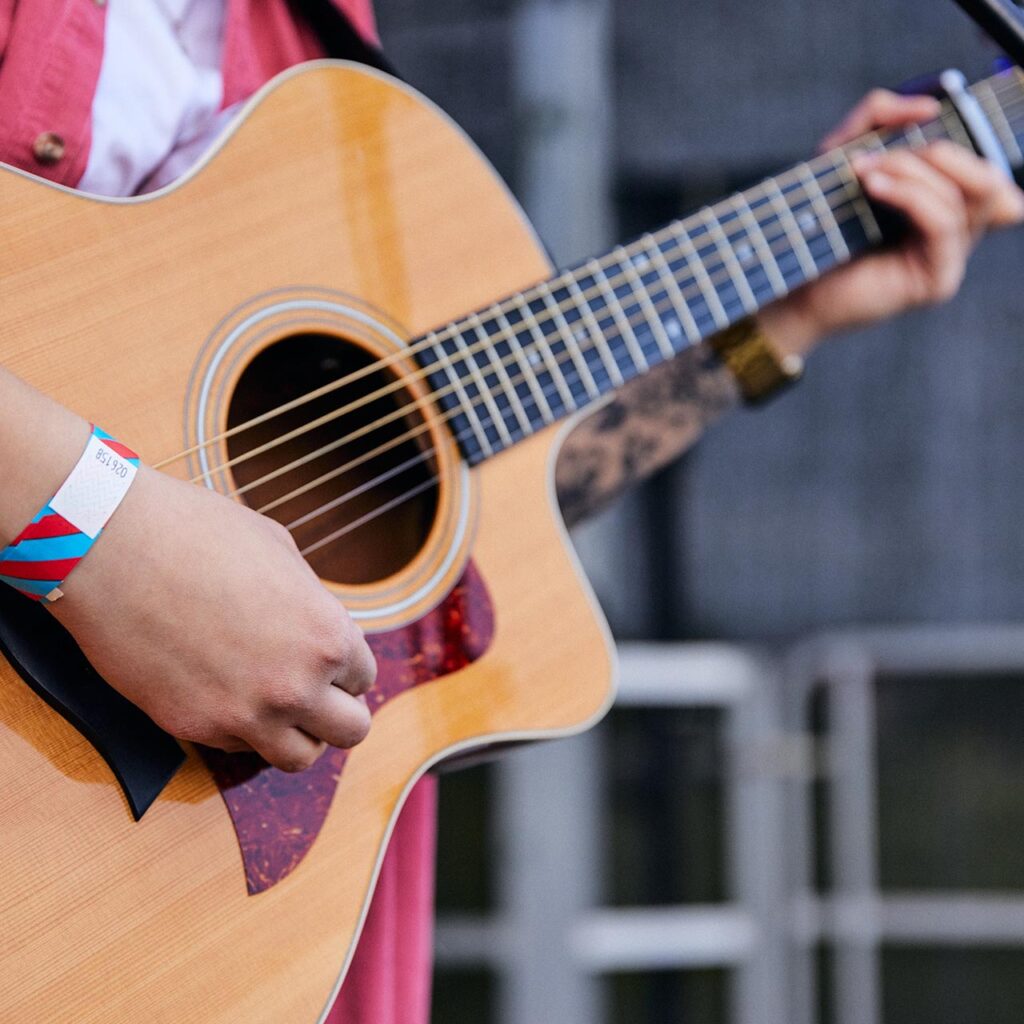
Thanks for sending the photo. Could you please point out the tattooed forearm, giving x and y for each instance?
(651, 421)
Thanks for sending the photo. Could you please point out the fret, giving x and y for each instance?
(541, 346)
(824, 213)
(527, 371)
(739, 279)
(501, 375)
(756, 234)
(997, 116)
(933, 131)
(568, 340)
(639, 292)
(687, 323)
(955, 127)
(872, 142)
(700, 276)
(787, 218)
(851, 186)
(466, 406)
(497, 419)
(611, 303)
(617, 316)
(610, 363)
(916, 133)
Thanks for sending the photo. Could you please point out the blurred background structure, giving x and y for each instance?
(808, 805)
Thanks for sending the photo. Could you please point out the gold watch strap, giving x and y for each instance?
(761, 371)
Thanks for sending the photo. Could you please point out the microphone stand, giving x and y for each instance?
(1003, 20)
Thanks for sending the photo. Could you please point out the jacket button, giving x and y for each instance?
(48, 148)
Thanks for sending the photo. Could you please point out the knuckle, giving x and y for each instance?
(289, 694)
(879, 100)
(280, 533)
(360, 672)
(348, 657)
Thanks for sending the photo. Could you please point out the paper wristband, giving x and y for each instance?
(46, 552)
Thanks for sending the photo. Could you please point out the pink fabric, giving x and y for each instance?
(50, 57)
(51, 51)
(263, 38)
(389, 981)
(48, 72)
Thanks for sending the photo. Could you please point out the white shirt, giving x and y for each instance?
(158, 98)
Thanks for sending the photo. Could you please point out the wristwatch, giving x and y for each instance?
(761, 371)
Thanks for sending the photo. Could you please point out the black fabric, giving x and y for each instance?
(142, 756)
(339, 38)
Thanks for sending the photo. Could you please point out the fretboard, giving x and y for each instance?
(509, 370)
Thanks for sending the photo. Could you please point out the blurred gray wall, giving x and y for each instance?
(886, 487)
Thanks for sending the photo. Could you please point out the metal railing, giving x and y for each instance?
(551, 942)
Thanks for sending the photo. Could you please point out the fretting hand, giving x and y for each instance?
(949, 198)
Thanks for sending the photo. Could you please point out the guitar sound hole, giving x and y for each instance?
(357, 490)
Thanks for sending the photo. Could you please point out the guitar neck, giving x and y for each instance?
(509, 370)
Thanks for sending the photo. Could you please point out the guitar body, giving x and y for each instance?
(343, 211)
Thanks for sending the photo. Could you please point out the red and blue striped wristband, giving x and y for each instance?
(46, 552)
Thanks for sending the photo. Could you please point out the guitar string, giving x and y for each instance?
(836, 176)
(688, 290)
(682, 246)
(1003, 85)
(368, 485)
(445, 333)
(663, 304)
(408, 464)
(547, 391)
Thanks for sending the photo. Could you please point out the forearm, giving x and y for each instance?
(39, 444)
(656, 417)
(651, 421)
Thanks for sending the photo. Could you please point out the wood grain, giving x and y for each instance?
(339, 180)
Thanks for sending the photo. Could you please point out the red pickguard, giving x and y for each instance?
(278, 816)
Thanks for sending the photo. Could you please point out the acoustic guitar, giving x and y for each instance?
(288, 326)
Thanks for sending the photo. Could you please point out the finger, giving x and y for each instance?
(906, 163)
(289, 748)
(358, 670)
(993, 199)
(942, 235)
(881, 109)
(340, 719)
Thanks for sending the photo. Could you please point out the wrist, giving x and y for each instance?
(794, 325)
(60, 534)
(39, 451)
